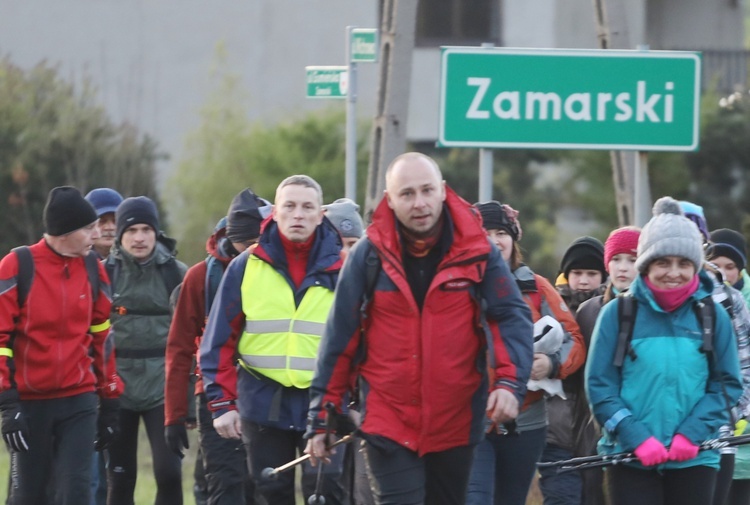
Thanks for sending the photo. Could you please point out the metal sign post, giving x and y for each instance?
(342, 82)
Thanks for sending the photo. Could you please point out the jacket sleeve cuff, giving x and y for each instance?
(554, 361)
(220, 407)
(517, 389)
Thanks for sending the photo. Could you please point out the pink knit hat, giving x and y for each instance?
(622, 240)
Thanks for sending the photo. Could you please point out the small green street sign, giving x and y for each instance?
(327, 82)
(364, 45)
(576, 99)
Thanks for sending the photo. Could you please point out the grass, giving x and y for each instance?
(145, 489)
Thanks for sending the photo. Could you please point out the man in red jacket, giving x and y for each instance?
(423, 377)
(226, 473)
(54, 366)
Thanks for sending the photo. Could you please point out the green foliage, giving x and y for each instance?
(53, 133)
(717, 176)
(227, 153)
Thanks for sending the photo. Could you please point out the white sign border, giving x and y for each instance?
(594, 53)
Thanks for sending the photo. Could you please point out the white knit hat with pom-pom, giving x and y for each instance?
(669, 233)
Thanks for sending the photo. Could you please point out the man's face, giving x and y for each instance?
(79, 242)
(416, 194)
(139, 241)
(106, 232)
(297, 211)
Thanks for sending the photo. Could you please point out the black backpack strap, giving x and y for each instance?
(170, 274)
(214, 273)
(705, 310)
(92, 270)
(372, 271)
(627, 308)
(25, 275)
(112, 266)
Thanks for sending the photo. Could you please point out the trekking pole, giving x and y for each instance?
(586, 462)
(270, 473)
(317, 498)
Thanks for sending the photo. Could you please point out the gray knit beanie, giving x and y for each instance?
(669, 233)
(344, 214)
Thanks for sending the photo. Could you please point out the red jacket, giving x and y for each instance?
(55, 352)
(185, 331)
(424, 376)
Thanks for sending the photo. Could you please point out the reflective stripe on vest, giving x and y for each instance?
(280, 340)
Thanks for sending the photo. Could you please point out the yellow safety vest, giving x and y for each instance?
(280, 340)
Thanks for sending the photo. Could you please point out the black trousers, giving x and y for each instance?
(401, 477)
(272, 447)
(224, 463)
(123, 460)
(61, 439)
(687, 486)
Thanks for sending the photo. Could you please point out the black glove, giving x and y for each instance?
(15, 430)
(108, 424)
(176, 436)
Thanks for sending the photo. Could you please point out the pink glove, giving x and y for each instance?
(651, 452)
(682, 449)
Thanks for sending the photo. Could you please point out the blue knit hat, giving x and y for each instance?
(104, 200)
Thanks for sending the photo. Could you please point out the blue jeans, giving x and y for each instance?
(559, 489)
(503, 468)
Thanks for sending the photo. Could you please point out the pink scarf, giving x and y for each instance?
(670, 299)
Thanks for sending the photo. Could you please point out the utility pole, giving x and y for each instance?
(629, 168)
(397, 24)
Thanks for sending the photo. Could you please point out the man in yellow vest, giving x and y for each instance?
(268, 316)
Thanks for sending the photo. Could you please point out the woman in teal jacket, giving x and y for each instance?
(669, 395)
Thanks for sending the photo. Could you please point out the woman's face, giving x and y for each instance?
(622, 270)
(503, 241)
(670, 272)
(728, 269)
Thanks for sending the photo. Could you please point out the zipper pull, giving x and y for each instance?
(65, 270)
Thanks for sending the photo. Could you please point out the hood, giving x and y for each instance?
(216, 243)
(325, 254)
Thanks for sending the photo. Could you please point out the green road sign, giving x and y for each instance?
(364, 45)
(326, 82)
(577, 99)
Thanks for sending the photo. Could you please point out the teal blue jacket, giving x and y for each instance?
(670, 387)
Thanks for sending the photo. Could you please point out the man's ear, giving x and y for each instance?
(388, 198)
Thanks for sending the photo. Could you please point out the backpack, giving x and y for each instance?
(168, 271)
(25, 275)
(214, 273)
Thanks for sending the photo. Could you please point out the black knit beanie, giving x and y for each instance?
(246, 212)
(136, 210)
(586, 253)
(494, 217)
(66, 211)
(730, 244)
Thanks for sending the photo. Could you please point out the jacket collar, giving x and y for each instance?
(325, 254)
